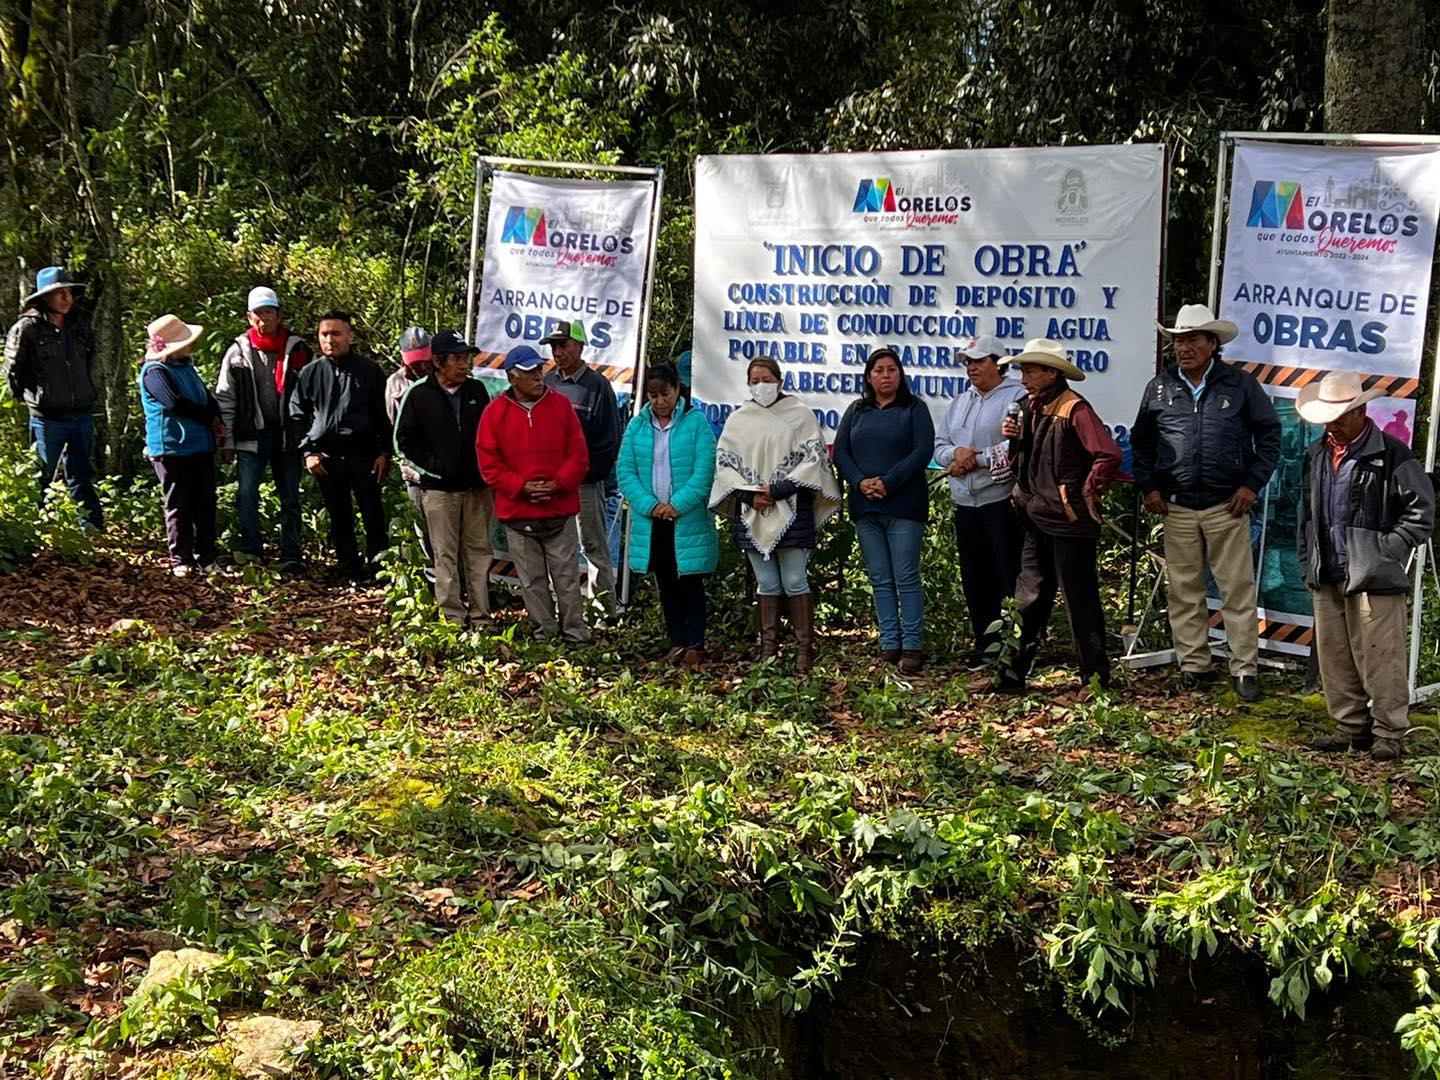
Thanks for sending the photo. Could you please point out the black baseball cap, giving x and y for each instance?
(449, 341)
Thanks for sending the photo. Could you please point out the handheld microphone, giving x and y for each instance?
(1014, 411)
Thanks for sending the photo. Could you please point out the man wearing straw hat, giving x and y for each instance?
(1365, 506)
(1064, 459)
(49, 356)
(1205, 442)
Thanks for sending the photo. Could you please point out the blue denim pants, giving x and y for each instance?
(72, 439)
(284, 466)
(781, 574)
(891, 547)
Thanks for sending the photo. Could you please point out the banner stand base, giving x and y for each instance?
(1161, 657)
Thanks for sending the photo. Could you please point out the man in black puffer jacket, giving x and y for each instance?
(49, 356)
(1205, 442)
(435, 429)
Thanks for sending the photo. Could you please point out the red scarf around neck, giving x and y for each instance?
(273, 344)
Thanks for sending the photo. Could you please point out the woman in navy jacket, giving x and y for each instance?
(883, 445)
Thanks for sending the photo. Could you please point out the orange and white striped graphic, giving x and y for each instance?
(1293, 378)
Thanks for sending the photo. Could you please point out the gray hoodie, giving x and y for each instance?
(973, 421)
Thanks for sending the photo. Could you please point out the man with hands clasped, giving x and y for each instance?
(338, 421)
(531, 451)
(1205, 442)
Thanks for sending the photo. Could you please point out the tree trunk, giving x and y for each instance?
(1375, 66)
(90, 82)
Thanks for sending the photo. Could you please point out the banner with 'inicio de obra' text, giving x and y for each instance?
(818, 259)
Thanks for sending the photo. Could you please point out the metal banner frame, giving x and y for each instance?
(485, 164)
(1222, 187)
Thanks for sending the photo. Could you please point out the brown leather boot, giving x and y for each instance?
(802, 620)
(769, 626)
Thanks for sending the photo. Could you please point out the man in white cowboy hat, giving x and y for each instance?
(1365, 506)
(1204, 444)
(1064, 458)
(257, 377)
(49, 358)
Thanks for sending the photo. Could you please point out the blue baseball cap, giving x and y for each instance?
(523, 358)
(51, 279)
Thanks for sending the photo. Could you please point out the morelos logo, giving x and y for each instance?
(534, 227)
(927, 205)
(1276, 205)
(875, 196)
(524, 225)
(1355, 215)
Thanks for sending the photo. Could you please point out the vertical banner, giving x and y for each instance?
(1327, 267)
(560, 251)
(818, 259)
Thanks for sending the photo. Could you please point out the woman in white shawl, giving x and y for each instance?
(773, 473)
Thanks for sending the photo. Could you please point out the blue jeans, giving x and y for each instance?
(782, 573)
(891, 546)
(73, 439)
(284, 466)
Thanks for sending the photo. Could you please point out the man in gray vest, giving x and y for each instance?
(257, 377)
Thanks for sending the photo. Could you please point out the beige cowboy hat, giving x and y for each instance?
(169, 335)
(1198, 317)
(1334, 396)
(1046, 351)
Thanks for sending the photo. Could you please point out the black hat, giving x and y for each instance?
(450, 341)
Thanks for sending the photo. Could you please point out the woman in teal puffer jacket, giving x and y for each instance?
(666, 467)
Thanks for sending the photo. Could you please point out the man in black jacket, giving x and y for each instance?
(49, 357)
(1205, 442)
(594, 400)
(338, 423)
(435, 431)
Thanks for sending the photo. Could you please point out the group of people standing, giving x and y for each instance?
(1026, 462)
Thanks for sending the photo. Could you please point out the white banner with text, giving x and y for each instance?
(818, 259)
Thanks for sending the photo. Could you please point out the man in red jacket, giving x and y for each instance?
(531, 452)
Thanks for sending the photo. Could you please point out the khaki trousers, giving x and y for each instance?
(595, 542)
(459, 526)
(1191, 535)
(543, 565)
(1360, 641)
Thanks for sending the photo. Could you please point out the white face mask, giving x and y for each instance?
(765, 394)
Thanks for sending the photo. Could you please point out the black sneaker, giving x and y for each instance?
(1197, 680)
(1247, 687)
(976, 661)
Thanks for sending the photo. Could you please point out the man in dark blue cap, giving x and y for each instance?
(49, 357)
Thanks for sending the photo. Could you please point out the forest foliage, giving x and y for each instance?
(175, 153)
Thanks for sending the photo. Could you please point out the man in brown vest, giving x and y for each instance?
(1063, 458)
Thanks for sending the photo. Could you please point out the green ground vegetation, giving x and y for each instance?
(477, 855)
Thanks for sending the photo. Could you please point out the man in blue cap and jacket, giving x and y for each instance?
(49, 357)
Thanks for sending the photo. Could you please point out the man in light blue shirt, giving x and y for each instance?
(968, 446)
